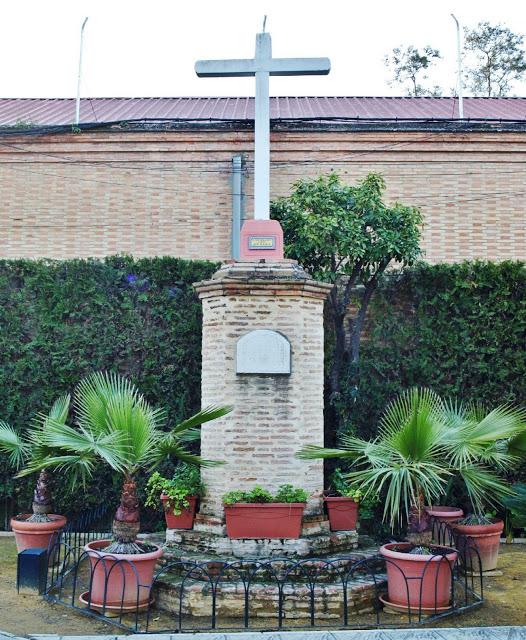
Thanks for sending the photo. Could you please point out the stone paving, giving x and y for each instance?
(452, 633)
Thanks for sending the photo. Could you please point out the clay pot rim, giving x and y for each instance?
(496, 526)
(57, 522)
(340, 499)
(130, 557)
(387, 552)
(438, 510)
(265, 505)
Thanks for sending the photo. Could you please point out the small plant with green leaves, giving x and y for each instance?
(289, 494)
(368, 502)
(234, 497)
(343, 488)
(257, 495)
(186, 482)
(515, 517)
(286, 493)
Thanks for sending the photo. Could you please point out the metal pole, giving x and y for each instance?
(77, 108)
(237, 204)
(262, 131)
(459, 72)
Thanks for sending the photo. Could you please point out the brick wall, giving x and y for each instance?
(155, 193)
(274, 415)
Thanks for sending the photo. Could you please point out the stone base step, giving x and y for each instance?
(263, 598)
(207, 567)
(185, 541)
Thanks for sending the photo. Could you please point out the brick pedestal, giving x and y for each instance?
(274, 415)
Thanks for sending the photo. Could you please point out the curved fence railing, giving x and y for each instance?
(265, 594)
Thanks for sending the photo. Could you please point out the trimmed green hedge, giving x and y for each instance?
(62, 320)
(460, 329)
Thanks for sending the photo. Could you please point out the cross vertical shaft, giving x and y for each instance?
(262, 130)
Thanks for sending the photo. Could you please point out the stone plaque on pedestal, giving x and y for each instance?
(263, 351)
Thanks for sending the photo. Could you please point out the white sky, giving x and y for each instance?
(148, 47)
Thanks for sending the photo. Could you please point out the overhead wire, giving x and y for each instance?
(351, 155)
(248, 164)
(453, 199)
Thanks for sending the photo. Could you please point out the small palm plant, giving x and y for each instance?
(115, 425)
(21, 446)
(422, 442)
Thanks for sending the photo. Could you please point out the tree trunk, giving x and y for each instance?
(418, 532)
(359, 320)
(339, 355)
(126, 523)
(42, 499)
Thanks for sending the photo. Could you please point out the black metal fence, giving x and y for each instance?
(6, 512)
(263, 594)
(92, 524)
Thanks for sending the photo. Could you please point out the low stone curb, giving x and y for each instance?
(452, 633)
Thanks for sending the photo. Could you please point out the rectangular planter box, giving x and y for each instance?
(272, 520)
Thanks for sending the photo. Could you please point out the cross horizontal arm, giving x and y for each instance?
(225, 68)
(298, 66)
(273, 66)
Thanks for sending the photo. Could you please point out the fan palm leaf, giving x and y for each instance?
(13, 444)
(207, 414)
(116, 426)
(424, 441)
(484, 487)
(478, 435)
(59, 445)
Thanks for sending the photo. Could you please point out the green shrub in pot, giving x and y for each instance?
(286, 493)
(342, 487)
(260, 514)
(115, 425)
(422, 442)
(185, 482)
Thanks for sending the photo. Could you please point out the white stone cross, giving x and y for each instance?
(262, 66)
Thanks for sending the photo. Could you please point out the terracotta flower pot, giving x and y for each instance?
(444, 514)
(343, 513)
(486, 537)
(418, 581)
(114, 581)
(185, 520)
(273, 520)
(439, 514)
(31, 535)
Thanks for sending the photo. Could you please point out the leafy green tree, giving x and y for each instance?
(498, 59)
(409, 67)
(348, 236)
